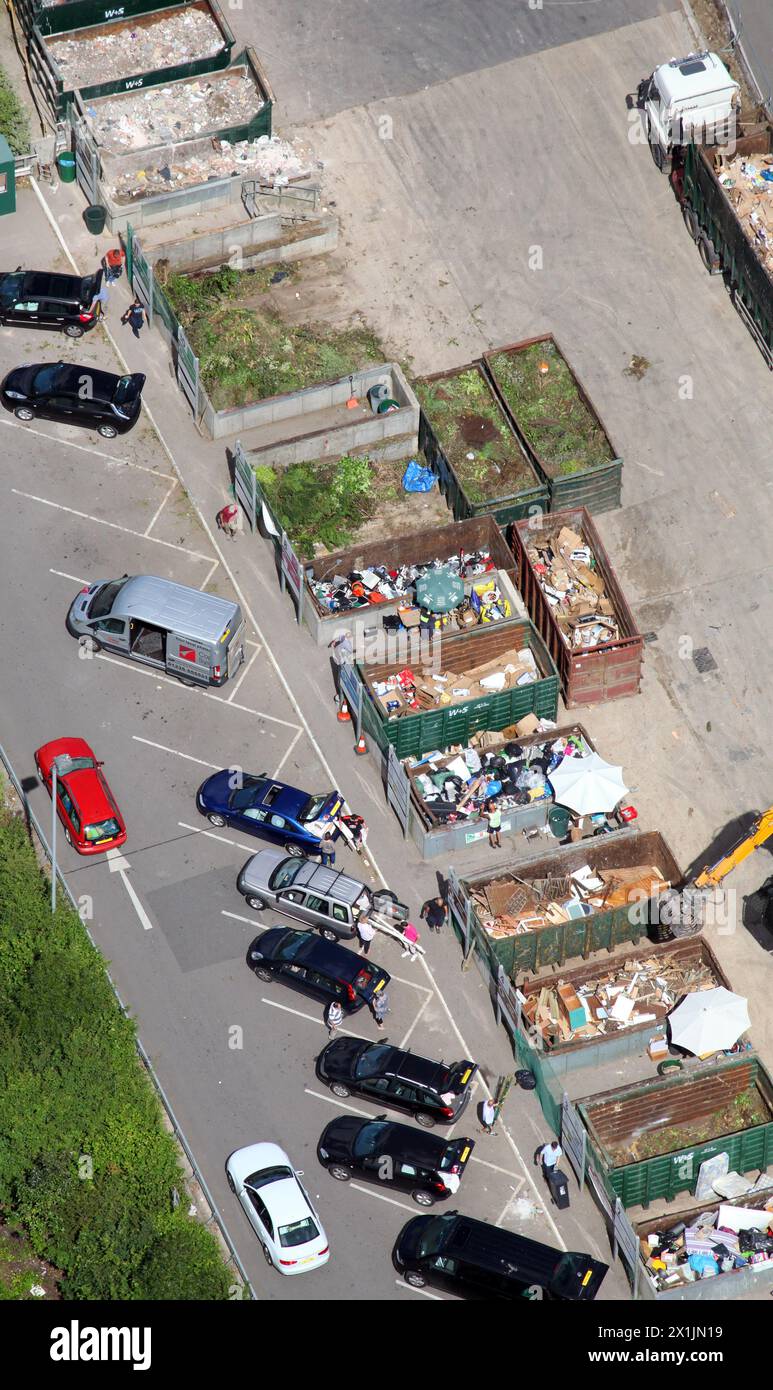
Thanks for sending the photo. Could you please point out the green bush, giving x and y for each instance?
(320, 503)
(85, 1162)
(14, 122)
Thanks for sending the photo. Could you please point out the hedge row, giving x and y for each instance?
(85, 1163)
(14, 123)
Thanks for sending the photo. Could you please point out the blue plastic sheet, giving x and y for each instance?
(418, 479)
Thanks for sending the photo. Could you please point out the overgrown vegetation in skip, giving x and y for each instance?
(549, 409)
(14, 122)
(87, 1170)
(321, 503)
(475, 436)
(246, 350)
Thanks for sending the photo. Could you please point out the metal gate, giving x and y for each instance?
(188, 370)
(142, 278)
(398, 788)
(86, 163)
(573, 1137)
(245, 485)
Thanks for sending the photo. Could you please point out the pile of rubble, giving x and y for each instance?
(163, 115)
(456, 785)
(407, 692)
(272, 161)
(568, 575)
(724, 1240)
(512, 906)
(637, 991)
(376, 584)
(748, 184)
(153, 44)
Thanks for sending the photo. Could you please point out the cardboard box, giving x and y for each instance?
(571, 1006)
(528, 725)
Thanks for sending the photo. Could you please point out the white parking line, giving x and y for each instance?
(160, 507)
(84, 449)
(341, 1104)
(163, 749)
(415, 1021)
(506, 1207)
(401, 1284)
(200, 693)
(99, 521)
(244, 673)
(474, 1159)
(212, 835)
(382, 1197)
(74, 577)
(424, 989)
(309, 1017)
(205, 582)
(287, 754)
(249, 920)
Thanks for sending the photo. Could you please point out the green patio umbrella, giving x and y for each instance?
(439, 590)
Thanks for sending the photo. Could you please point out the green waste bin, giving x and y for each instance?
(559, 820)
(65, 163)
(95, 217)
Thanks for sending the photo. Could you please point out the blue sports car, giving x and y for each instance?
(273, 810)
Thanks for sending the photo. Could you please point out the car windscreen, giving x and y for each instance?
(436, 1233)
(293, 945)
(315, 806)
(10, 288)
(127, 390)
(370, 1139)
(248, 794)
(102, 830)
(80, 764)
(298, 1232)
(267, 1175)
(104, 598)
(285, 873)
(374, 1061)
(49, 378)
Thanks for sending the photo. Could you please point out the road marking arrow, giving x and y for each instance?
(119, 865)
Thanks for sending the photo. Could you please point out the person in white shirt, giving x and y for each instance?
(488, 1114)
(549, 1156)
(366, 933)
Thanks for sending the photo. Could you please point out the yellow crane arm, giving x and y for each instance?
(762, 831)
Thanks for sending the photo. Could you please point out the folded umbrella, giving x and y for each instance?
(708, 1021)
(587, 785)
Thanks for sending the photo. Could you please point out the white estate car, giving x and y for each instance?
(278, 1207)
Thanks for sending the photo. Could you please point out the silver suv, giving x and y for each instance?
(319, 897)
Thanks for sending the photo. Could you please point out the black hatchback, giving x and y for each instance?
(323, 969)
(75, 395)
(428, 1167)
(433, 1092)
(42, 299)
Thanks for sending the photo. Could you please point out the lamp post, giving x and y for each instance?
(59, 768)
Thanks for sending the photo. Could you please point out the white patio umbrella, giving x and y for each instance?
(708, 1021)
(587, 785)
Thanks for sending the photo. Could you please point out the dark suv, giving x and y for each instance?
(75, 395)
(433, 1092)
(321, 968)
(474, 1259)
(40, 299)
(395, 1155)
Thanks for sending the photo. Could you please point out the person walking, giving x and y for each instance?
(435, 913)
(380, 1007)
(327, 849)
(411, 938)
(99, 303)
(366, 932)
(488, 1115)
(334, 1017)
(494, 818)
(228, 520)
(135, 316)
(549, 1155)
(341, 653)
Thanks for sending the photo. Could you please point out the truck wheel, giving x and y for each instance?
(691, 222)
(708, 255)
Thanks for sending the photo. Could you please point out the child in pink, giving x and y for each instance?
(410, 937)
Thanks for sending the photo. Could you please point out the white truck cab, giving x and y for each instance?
(692, 99)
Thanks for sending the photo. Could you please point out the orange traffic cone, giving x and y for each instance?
(343, 715)
(360, 746)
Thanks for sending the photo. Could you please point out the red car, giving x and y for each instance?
(84, 802)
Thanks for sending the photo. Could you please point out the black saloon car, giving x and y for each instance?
(43, 299)
(433, 1092)
(428, 1167)
(323, 969)
(75, 395)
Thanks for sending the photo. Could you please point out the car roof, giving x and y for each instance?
(89, 790)
(499, 1250)
(76, 747)
(103, 384)
(410, 1067)
(204, 617)
(329, 881)
(329, 955)
(414, 1145)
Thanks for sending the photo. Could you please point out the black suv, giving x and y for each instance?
(321, 968)
(395, 1155)
(476, 1260)
(433, 1092)
(75, 395)
(40, 299)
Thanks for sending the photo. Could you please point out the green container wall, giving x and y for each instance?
(664, 1177)
(504, 509)
(59, 98)
(598, 488)
(80, 14)
(414, 734)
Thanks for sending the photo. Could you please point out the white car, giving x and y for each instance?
(278, 1207)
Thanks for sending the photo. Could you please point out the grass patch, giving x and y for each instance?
(321, 503)
(245, 349)
(14, 121)
(86, 1166)
(475, 436)
(564, 434)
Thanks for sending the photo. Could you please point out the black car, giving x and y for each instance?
(76, 395)
(321, 968)
(41, 299)
(480, 1261)
(395, 1155)
(433, 1092)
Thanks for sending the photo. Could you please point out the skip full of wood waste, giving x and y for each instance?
(155, 44)
(566, 569)
(512, 906)
(637, 991)
(748, 183)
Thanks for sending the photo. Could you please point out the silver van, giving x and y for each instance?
(197, 637)
(318, 897)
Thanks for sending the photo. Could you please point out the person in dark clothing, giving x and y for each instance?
(135, 316)
(327, 849)
(435, 913)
